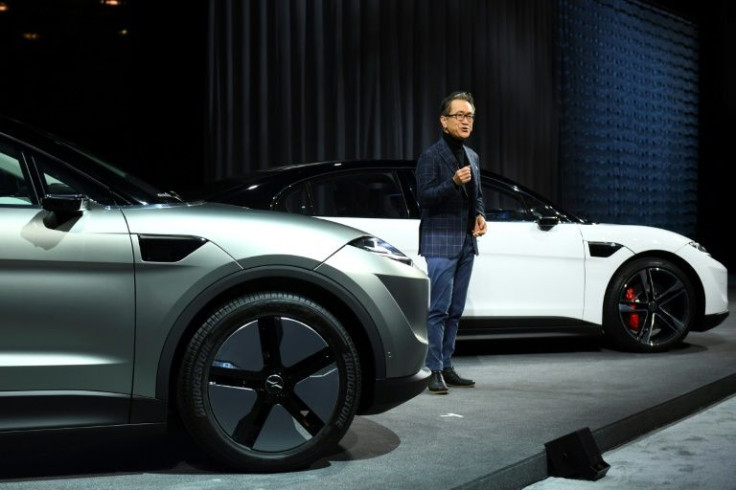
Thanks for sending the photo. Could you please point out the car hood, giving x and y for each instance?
(242, 232)
(635, 237)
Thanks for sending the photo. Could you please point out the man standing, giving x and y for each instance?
(452, 217)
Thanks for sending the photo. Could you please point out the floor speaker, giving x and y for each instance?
(576, 456)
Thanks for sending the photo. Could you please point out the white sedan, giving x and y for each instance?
(541, 270)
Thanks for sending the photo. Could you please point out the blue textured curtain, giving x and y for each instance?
(629, 114)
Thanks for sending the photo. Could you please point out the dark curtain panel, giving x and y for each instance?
(306, 80)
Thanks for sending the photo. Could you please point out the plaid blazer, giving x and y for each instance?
(444, 210)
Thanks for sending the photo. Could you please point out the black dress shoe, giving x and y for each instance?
(453, 379)
(436, 384)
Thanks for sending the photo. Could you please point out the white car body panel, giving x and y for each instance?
(642, 239)
(518, 265)
(714, 277)
(524, 271)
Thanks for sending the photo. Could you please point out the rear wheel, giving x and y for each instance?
(650, 306)
(269, 382)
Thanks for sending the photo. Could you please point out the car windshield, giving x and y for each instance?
(129, 188)
(97, 166)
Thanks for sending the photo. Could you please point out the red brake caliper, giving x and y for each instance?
(633, 318)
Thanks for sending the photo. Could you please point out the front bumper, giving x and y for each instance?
(389, 393)
(710, 321)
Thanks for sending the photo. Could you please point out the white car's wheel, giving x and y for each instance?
(650, 306)
(269, 383)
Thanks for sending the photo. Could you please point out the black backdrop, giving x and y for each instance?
(154, 87)
(343, 79)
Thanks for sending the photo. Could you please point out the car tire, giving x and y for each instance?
(650, 306)
(269, 382)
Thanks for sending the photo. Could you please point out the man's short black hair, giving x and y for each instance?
(459, 95)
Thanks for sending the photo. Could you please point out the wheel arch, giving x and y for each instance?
(334, 297)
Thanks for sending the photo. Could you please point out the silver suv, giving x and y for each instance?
(265, 333)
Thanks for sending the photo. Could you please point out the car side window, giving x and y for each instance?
(366, 194)
(295, 201)
(502, 205)
(53, 181)
(60, 179)
(359, 195)
(15, 187)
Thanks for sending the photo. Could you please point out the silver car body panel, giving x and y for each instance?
(92, 269)
(378, 287)
(165, 290)
(79, 335)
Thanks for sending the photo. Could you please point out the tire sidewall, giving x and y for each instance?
(612, 323)
(194, 378)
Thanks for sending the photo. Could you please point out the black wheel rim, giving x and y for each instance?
(654, 306)
(274, 384)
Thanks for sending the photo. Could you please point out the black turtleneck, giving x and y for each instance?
(457, 148)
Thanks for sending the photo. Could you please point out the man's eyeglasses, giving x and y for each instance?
(459, 116)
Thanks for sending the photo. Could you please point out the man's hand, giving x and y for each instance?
(480, 226)
(462, 175)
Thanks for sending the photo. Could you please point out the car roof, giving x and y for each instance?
(295, 172)
(276, 177)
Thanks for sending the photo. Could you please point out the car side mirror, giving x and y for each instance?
(61, 208)
(548, 222)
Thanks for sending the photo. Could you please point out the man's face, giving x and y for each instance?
(459, 128)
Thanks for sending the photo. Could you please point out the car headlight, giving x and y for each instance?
(698, 247)
(376, 245)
